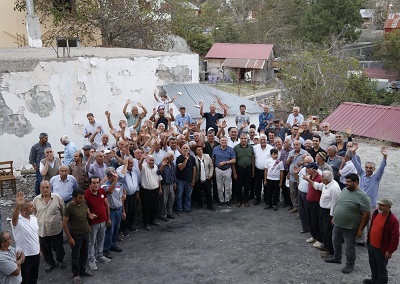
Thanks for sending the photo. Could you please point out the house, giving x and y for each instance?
(233, 61)
(392, 22)
(381, 76)
(371, 121)
(193, 93)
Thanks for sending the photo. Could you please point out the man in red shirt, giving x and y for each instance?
(96, 199)
(383, 239)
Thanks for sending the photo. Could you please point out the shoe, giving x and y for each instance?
(220, 204)
(92, 266)
(326, 254)
(107, 255)
(228, 204)
(120, 239)
(179, 213)
(62, 265)
(125, 233)
(212, 208)
(164, 219)
(87, 272)
(275, 207)
(133, 229)
(169, 216)
(116, 249)
(294, 210)
(238, 204)
(246, 204)
(103, 259)
(49, 268)
(318, 245)
(311, 240)
(303, 231)
(332, 260)
(267, 207)
(76, 280)
(147, 227)
(347, 269)
(256, 202)
(368, 281)
(290, 208)
(188, 211)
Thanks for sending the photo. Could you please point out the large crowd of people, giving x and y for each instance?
(169, 164)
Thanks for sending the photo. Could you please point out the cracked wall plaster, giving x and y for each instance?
(13, 123)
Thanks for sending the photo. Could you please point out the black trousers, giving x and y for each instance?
(258, 181)
(215, 188)
(50, 243)
(378, 264)
(149, 200)
(326, 228)
(286, 191)
(130, 204)
(197, 195)
(313, 219)
(79, 253)
(30, 269)
(271, 192)
(243, 183)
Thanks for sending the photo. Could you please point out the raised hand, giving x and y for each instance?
(384, 151)
(223, 124)
(20, 199)
(140, 104)
(154, 110)
(201, 104)
(107, 113)
(128, 101)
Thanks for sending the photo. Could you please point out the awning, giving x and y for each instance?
(244, 63)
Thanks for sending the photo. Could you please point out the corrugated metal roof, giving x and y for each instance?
(244, 63)
(373, 121)
(193, 93)
(237, 50)
(392, 21)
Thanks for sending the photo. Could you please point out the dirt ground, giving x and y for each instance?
(236, 245)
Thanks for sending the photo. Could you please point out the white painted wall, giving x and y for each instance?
(77, 88)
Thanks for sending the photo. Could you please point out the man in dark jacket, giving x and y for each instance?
(383, 239)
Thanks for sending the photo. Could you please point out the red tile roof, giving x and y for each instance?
(373, 121)
(236, 50)
(392, 22)
(379, 73)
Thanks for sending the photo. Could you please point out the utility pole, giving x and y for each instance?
(33, 26)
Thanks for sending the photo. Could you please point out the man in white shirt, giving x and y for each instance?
(347, 167)
(327, 138)
(295, 118)
(90, 128)
(25, 230)
(262, 152)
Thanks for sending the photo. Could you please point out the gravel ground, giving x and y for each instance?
(236, 245)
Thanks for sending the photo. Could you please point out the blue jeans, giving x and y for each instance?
(37, 182)
(184, 191)
(377, 263)
(110, 238)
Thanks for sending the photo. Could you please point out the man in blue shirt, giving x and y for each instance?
(69, 149)
(223, 159)
(264, 118)
(64, 184)
(181, 119)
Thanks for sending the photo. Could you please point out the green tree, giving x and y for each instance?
(388, 51)
(318, 81)
(332, 19)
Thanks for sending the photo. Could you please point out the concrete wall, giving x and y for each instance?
(55, 96)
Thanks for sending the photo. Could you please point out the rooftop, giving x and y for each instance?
(241, 51)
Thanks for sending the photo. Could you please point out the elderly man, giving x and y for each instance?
(278, 127)
(334, 161)
(49, 210)
(10, 260)
(49, 165)
(223, 158)
(103, 145)
(383, 239)
(134, 118)
(185, 179)
(283, 156)
(25, 230)
(327, 138)
(351, 215)
(212, 117)
(243, 168)
(347, 167)
(90, 128)
(204, 173)
(264, 118)
(320, 158)
(63, 184)
(78, 170)
(87, 151)
(262, 152)
(98, 168)
(116, 194)
(77, 228)
(132, 178)
(166, 169)
(295, 117)
(329, 196)
(150, 190)
(69, 149)
(36, 155)
(96, 199)
(182, 119)
(292, 161)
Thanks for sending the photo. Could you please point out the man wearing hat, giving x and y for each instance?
(181, 119)
(383, 239)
